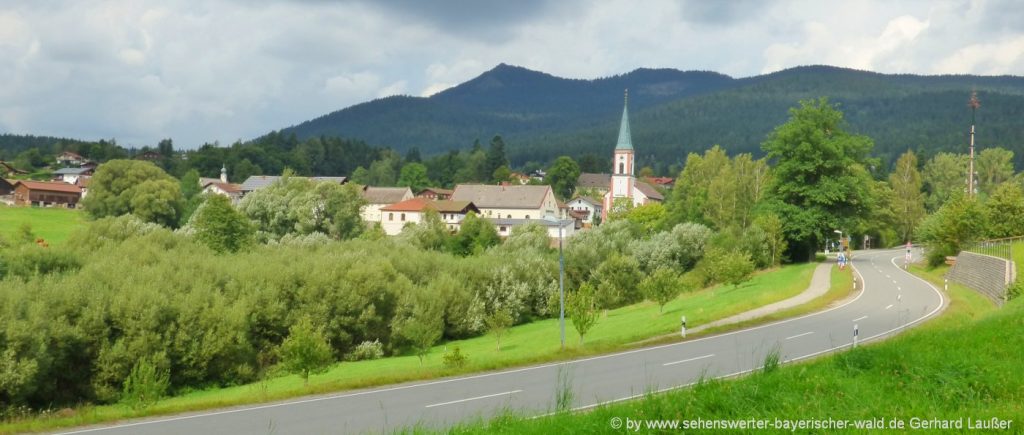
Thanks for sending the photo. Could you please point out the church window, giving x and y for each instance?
(622, 168)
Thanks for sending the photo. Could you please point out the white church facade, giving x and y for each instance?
(623, 183)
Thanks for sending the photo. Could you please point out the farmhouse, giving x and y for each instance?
(68, 158)
(43, 193)
(510, 206)
(435, 193)
(378, 197)
(70, 175)
(396, 216)
(587, 208)
(231, 190)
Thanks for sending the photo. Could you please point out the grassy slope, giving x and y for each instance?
(52, 224)
(966, 363)
(529, 343)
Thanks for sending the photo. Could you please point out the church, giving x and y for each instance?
(622, 182)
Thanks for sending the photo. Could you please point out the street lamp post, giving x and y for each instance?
(561, 279)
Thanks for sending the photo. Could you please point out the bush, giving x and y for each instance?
(1015, 290)
(146, 383)
(366, 350)
(455, 359)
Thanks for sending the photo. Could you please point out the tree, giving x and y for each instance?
(414, 176)
(1004, 211)
(958, 222)
(944, 175)
(190, 184)
(908, 200)
(727, 266)
(305, 351)
(582, 310)
(475, 236)
(501, 175)
(562, 176)
(616, 280)
(497, 323)
(650, 216)
(820, 182)
(994, 166)
(422, 324)
(771, 225)
(220, 227)
(495, 156)
(245, 169)
(661, 287)
(138, 187)
(165, 148)
(300, 206)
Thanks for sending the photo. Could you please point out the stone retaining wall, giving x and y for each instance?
(985, 274)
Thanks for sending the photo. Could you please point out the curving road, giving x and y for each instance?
(890, 300)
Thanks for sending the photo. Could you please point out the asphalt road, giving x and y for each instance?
(890, 301)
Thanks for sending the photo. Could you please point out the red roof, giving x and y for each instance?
(414, 204)
(227, 187)
(49, 187)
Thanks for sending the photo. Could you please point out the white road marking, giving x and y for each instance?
(688, 360)
(474, 398)
(890, 306)
(860, 318)
(799, 335)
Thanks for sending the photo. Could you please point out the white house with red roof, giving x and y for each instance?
(394, 217)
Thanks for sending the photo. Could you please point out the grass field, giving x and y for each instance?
(52, 224)
(525, 344)
(964, 364)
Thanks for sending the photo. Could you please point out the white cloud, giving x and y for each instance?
(235, 69)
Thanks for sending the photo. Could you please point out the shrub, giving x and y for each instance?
(455, 359)
(146, 383)
(366, 350)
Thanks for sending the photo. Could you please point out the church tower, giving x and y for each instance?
(622, 180)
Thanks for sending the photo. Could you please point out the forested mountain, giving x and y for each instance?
(674, 112)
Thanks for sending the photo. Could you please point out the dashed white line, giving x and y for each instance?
(474, 398)
(890, 306)
(860, 318)
(688, 360)
(799, 335)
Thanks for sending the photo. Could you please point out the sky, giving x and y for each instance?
(226, 70)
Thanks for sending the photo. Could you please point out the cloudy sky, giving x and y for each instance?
(223, 70)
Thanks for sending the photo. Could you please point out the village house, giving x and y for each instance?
(586, 208)
(83, 183)
(221, 186)
(378, 197)
(509, 206)
(70, 175)
(68, 158)
(257, 182)
(6, 187)
(435, 193)
(46, 193)
(394, 217)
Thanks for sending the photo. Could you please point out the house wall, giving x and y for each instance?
(371, 212)
(392, 222)
(592, 210)
(25, 196)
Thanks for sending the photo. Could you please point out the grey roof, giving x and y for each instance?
(256, 182)
(71, 171)
(542, 222)
(588, 199)
(625, 139)
(488, 196)
(650, 191)
(594, 181)
(386, 195)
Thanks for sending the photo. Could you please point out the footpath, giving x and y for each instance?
(820, 283)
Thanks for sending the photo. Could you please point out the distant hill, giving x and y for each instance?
(675, 112)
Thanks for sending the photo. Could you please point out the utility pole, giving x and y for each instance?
(974, 104)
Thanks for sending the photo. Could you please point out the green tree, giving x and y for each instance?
(945, 175)
(994, 166)
(616, 281)
(146, 383)
(245, 169)
(661, 287)
(475, 236)
(1004, 211)
(819, 182)
(959, 221)
(908, 199)
(650, 216)
(501, 175)
(495, 156)
(582, 309)
(220, 227)
(562, 176)
(423, 324)
(305, 351)
(190, 184)
(498, 323)
(137, 187)
(775, 237)
(727, 266)
(414, 176)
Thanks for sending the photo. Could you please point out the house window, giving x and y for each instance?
(391, 216)
(403, 217)
(527, 216)
(503, 229)
(510, 216)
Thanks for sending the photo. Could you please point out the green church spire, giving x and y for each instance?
(625, 139)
